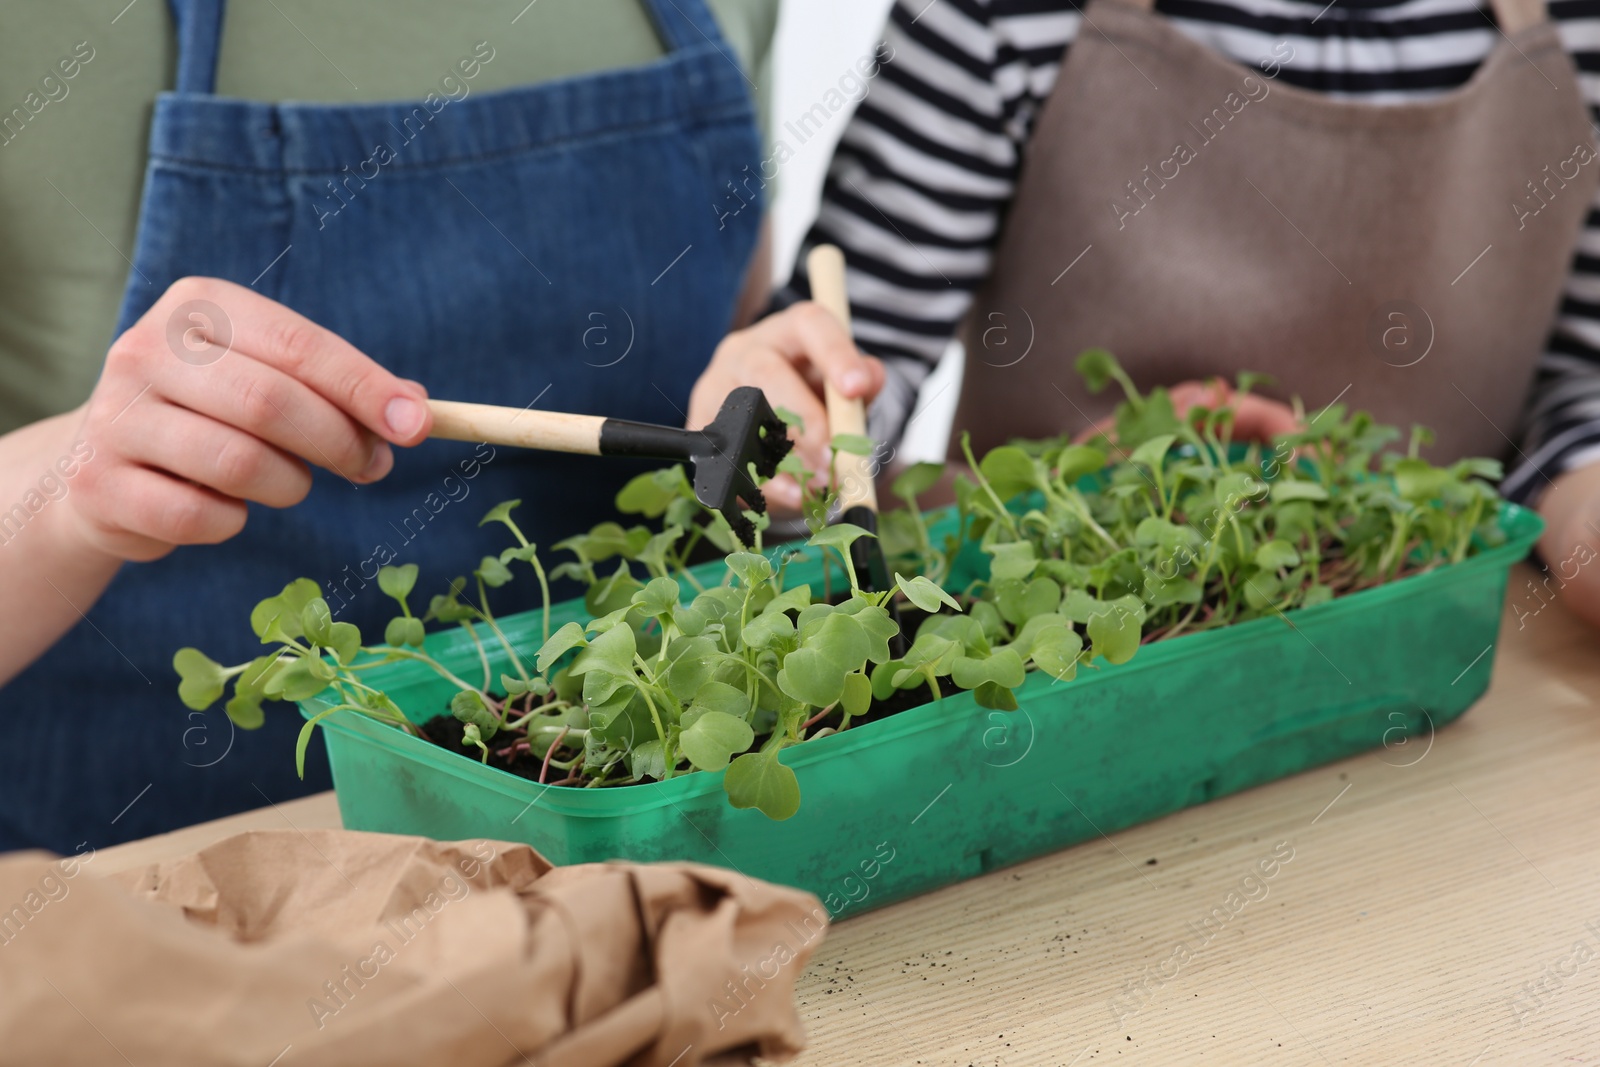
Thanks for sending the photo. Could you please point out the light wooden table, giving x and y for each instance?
(1442, 907)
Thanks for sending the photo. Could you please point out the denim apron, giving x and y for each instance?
(553, 245)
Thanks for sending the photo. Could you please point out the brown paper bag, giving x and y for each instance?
(329, 947)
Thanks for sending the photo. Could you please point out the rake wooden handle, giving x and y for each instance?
(853, 476)
(550, 431)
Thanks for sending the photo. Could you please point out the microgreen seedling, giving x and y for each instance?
(1085, 551)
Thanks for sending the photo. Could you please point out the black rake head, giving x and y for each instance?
(746, 435)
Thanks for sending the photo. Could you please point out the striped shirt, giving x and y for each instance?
(925, 170)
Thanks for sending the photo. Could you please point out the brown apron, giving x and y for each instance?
(1198, 218)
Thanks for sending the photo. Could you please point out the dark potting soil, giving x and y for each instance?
(446, 731)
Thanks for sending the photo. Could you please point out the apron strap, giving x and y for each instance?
(1516, 15)
(684, 23)
(1511, 15)
(199, 25)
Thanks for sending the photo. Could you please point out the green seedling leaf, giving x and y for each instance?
(1317, 594)
(1079, 461)
(499, 513)
(303, 678)
(925, 594)
(659, 597)
(1235, 489)
(758, 780)
(1151, 453)
(245, 710)
(691, 663)
(613, 593)
(876, 623)
(561, 642)
(714, 738)
(1275, 554)
(1249, 380)
(447, 607)
(1419, 481)
(601, 687)
(656, 551)
(719, 602)
(1478, 467)
(987, 616)
(649, 759)
(609, 539)
(853, 443)
(397, 582)
(284, 610)
(767, 629)
(996, 696)
(403, 631)
(1020, 601)
(794, 465)
(1162, 591)
(1114, 634)
(567, 686)
(797, 598)
(1260, 591)
(840, 535)
(304, 740)
(260, 671)
(788, 417)
(917, 479)
(200, 678)
(857, 696)
(1014, 560)
(316, 622)
(652, 493)
(472, 735)
(612, 650)
(883, 676)
(930, 656)
(1009, 471)
(1003, 668)
(1172, 542)
(811, 616)
(720, 697)
(751, 568)
(344, 641)
(1056, 650)
(814, 673)
(493, 572)
(1030, 631)
(1286, 489)
(468, 706)
(1094, 367)
(1295, 520)
(692, 619)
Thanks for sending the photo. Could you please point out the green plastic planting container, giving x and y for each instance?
(950, 790)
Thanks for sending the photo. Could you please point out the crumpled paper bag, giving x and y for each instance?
(330, 947)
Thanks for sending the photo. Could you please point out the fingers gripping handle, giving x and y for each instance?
(853, 475)
(550, 431)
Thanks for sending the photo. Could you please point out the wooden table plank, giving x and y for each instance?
(1441, 906)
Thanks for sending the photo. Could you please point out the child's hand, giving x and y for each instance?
(218, 396)
(787, 356)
